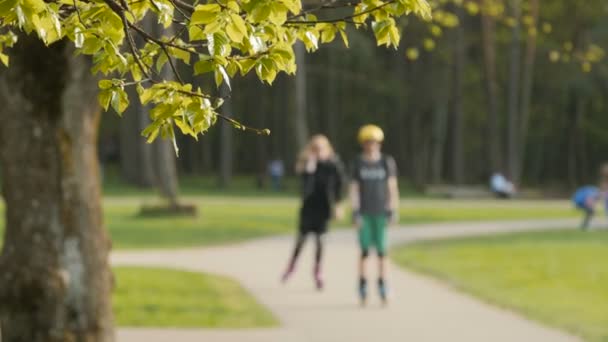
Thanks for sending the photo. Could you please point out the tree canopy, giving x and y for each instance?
(219, 38)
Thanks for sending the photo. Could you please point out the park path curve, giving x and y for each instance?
(421, 309)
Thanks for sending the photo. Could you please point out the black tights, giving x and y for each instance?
(300, 243)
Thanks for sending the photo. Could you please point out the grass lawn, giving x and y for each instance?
(559, 278)
(224, 219)
(151, 297)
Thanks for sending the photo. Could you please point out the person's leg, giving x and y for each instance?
(300, 239)
(318, 258)
(587, 218)
(381, 249)
(364, 243)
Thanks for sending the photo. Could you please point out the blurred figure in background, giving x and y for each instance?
(276, 171)
(322, 189)
(587, 197)
(375, 203)
(501, 186)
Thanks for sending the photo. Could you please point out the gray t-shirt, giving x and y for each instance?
(372, 178)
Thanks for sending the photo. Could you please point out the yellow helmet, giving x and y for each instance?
(370, 132)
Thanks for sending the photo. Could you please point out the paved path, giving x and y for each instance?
(421, 309)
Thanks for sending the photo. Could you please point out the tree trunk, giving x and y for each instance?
(226, 152)
(577, 115)
(162, 152)
(135, 154)
(55, 279)
(457, 102)
(331, 94)
(129, 140)
(440, 125)
(300, 123)
(527, 83)
(513, 105)
(489, 56)
(166, 171)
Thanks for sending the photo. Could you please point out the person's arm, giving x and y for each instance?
(355, 201)
(340, 181)
(393, 199)
(339, 188)
(393, 190)
(307, 173)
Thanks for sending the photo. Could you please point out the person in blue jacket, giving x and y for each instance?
(585, 199)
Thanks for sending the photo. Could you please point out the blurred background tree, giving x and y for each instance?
(513, 86)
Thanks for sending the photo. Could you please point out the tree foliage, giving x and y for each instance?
(221, 38)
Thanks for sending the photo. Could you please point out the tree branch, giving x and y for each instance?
(121, 13)
(346, 19)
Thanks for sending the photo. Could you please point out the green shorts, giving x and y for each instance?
(372, 233)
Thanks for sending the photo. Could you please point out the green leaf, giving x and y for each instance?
(246, 65)
(6, 6)
(260, 13)
(213, 27)
(196, 33)
(239, 23)
(165, 10)
(146, 95)
(328, 34)
(234, 34)
(119, 100)
(78, 37)
(34, 6)
(205, 14)
(311, 40)
(225, 76)
(180, 54)
(172, 134)
(278, 13)
(184, 127)
(104, 98)
(344, 37)
(4, 59)
(161, 61)
(105, 84)
(203, 66)
(294, 6)
(237, 29)
(152, 131)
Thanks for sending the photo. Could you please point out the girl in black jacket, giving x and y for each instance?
(322, 189)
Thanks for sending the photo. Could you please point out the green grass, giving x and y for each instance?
(559, 278)
(433, 210)
(220, 220)
(230, 219)
(150, 297)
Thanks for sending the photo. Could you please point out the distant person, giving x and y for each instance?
(276, 171)
(322, 190)
(501, 186)
(585, 199)
(375, 203)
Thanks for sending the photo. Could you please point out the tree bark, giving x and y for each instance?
(440, 125)
(331, 111)
(489, 56)
(300, 122)
(135, 154)
(166, 171)
(162, 152)
(527, 83)
(55, 280)
(226, 137)
(457, 102)
(514, 89)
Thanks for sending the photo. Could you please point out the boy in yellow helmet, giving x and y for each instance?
(375, 199)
